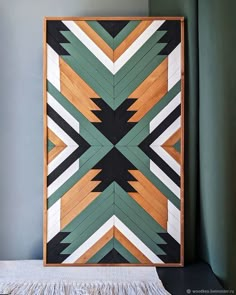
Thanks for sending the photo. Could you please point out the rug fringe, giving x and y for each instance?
(75, 288)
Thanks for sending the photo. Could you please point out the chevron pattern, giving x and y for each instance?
(113, 142)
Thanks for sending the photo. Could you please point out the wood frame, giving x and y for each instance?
(180, 18)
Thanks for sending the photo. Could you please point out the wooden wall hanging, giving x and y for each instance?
(113, 158)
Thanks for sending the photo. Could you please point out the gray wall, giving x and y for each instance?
(21, 123)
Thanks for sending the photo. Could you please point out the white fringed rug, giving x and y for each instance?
(28, 277)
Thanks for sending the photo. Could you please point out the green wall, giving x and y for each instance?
(217, 121)
(210, 192)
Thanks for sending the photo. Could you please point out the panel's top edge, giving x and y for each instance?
(181, 18)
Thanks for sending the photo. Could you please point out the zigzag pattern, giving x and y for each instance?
(114, 133)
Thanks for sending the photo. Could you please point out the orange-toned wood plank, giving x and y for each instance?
(160, 208)
(68, 205)
(173, 153)
(45, 142)
(150, 97)
(79, 185)
(130, 247)
(159, 85)
(65, 68)
(155, 193)
(54, 138)
(173, 139)
(96, 38)
(79, 104)
(146, 84)
(76, 210)
(55, 152)
(150, 209)
(96, 247)
(113, 18)
(77, 91)
(70, 79)
(131, 38)
(72, 90)
(149, 103)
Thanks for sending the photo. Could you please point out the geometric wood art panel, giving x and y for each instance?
(113, 118)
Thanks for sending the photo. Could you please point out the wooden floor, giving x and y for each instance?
(180, 281)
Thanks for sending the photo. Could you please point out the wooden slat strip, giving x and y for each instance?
(55, 152)
(150, 97)
(77, 90)
(157, 87)
(65, 68)
(72, 89)
(131, 38)
(96, 247)
(68, 196)
(173, 139)
(76, 210)
(95, 38)
(150, 209)
(78, 103)
(146, 84)
(149, 186)
(173, 153)
(130, 247)
(150, 102)
(75, 199)
(162, 209)
(113, 18)
(54, 138)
